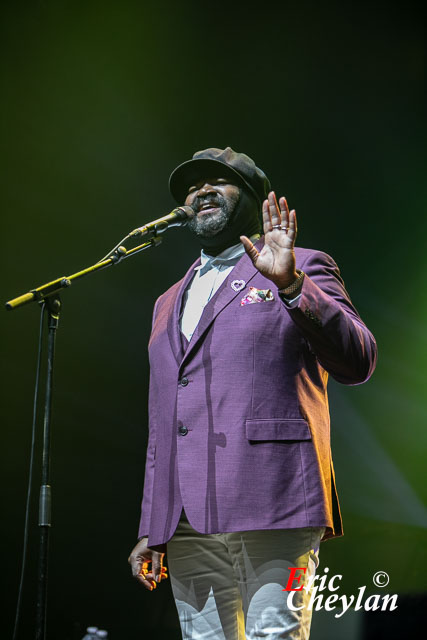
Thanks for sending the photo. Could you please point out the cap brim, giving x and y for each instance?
(189, 172)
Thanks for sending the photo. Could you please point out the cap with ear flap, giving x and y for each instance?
(213, 162)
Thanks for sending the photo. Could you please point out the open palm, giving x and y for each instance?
(276, 260)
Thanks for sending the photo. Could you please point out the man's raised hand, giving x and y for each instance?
(276, 260)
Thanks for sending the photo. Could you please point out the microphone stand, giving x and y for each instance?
(53, 307)
(48, 294)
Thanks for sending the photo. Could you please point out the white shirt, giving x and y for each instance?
(208, 278)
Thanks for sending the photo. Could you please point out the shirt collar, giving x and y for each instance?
(229, 257)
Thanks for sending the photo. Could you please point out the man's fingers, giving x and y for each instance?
(284, 212)
(141, 573)
(275, 215)
(293, 227)
(157, 568)
(147, 580)
(266, 220)
(144, 576)
(249, 248)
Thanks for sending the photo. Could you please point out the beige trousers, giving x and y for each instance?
(229, 586)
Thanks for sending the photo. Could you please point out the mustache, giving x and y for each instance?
(201, 202)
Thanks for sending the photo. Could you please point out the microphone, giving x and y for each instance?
(176, 218)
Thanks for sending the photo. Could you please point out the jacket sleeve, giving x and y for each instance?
(326, 317)
(147, 498)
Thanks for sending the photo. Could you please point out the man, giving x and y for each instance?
(239, 479)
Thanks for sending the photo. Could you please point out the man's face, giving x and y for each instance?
(213, 201)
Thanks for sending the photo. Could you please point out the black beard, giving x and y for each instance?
(237, 216)
(209, 225)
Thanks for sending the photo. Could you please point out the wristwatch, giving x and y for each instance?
(295, 285)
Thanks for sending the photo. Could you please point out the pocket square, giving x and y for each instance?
(257, 295)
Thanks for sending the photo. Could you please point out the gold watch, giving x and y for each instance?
(295, 285)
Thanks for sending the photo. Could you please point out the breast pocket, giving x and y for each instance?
(259, 307)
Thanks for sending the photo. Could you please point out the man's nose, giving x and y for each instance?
(205, 189)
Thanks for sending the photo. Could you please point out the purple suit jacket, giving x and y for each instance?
(238, 419)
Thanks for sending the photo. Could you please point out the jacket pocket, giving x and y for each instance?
(272, 429)
(259, 307)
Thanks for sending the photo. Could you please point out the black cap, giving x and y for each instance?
(219, 162)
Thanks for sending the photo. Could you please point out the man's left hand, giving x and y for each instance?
(276, 260)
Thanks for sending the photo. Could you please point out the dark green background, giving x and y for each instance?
(100, 101)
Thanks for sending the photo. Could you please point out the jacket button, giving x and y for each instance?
(183, 382)
(183, 430)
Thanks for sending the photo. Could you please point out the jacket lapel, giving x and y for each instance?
(173, 327)
(244, 270)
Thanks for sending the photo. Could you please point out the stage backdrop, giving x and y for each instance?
(101, 100)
